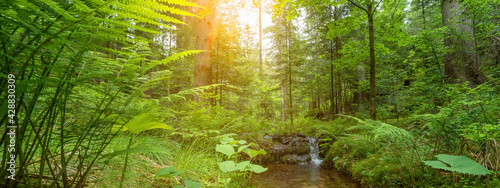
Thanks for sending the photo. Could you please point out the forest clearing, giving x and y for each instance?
(261, 93)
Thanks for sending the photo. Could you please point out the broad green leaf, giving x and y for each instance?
(242, 142)
(226, 140)
(169, 172)
(242, 165)
(144, 121)
(192, 184)
(252, 153)
(178, 172)
(227, 166)
(462, 164)
(241, 148)
(225, 149)
(165, 172)
(256, 168)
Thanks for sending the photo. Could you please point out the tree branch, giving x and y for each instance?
(360, 7)
(395, 8)
(375, 9)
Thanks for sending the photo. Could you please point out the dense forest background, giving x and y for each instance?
(131, 93)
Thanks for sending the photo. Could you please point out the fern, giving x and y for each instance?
(376, 130)
(192, 91)
(180, 55)
(73, 77)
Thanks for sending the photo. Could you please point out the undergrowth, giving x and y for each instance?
(380, 154)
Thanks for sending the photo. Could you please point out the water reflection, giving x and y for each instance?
(307, 175)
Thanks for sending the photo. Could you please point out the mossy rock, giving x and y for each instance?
(301, 148)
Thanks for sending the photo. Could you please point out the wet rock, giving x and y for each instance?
(301, 148)
(289, 148)
(266, 136)
(276, 138)
(294, 159)
(301, 135)
(286, 140)
(279, 148)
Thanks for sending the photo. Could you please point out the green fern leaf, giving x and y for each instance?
(180, 56)
(180, 2)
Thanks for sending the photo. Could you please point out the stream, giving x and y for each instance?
(303, 175)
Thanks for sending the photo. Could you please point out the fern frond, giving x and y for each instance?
(129, 25)
(36, 10)
(165, 9)
(180, 55)
(56, 8)
(355, 118)
(113, 51)
(192, 91)
(362, 127)
(181, 3)
(12, 19)
(385, 130)
(81, 6)
(376, 130)
(145, 13)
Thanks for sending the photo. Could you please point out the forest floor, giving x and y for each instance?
(370, 160)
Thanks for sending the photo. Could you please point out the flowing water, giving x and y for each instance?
(314, 151)
(303, 175)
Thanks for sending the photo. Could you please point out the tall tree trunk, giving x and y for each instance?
(260, 34)
(216, 70)
(333, 104)
(462, 62)
(289, 71)
(283, 102)
(422, 4)
(337, 56)
(204, 29)
(373, 88)
(222, 85)
(339, 75)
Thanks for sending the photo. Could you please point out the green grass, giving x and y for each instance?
(195, 155)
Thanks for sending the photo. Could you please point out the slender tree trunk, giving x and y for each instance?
(289, 72)
(332, 90)
(283, 102)
(337, 56)
(221, 87)
(373, 91)
(339, 75)
(422, 4)
(260, 34)
(216, 69)
(204, 32)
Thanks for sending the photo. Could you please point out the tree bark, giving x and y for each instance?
(204, 29)
(333, 104)
(260, 35)
(289, 71)
(461, 63)
(373, 89)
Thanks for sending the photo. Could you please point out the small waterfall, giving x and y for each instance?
(314, 151)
